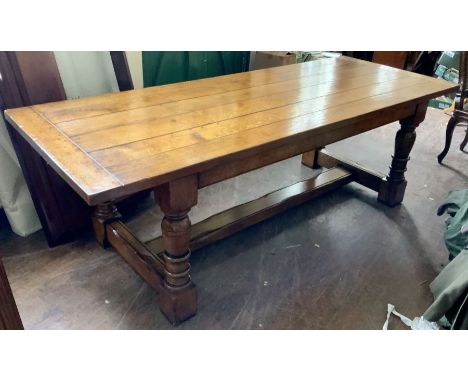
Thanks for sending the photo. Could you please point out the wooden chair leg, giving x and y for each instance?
(448, 138)
(465, 141)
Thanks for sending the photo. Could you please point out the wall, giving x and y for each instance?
(86, 73)
(136, 68)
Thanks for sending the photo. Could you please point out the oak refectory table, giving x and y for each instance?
(178, 138)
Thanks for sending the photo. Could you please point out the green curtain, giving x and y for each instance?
(161, 68)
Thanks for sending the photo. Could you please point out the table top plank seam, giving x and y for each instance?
(151, 159)
(240, 115)
(104, 138)
(228, 102)
(172, 101)
(153, 180)
(253, 113)
(157, 89)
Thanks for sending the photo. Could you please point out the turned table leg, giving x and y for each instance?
(178, 296)
(103, 214)
(392, 189)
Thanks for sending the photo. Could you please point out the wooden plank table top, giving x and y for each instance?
(113, 145)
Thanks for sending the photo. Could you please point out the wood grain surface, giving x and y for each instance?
(116, 144)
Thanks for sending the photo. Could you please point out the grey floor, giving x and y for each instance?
(332, 263)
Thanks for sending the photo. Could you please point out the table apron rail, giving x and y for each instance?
(307, 143)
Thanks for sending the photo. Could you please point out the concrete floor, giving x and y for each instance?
(332, 263)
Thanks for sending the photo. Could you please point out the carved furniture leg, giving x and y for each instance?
(178, 296)
(104, 214)
(465, 141)
(392, 189)
(448, 137)
(311, 159)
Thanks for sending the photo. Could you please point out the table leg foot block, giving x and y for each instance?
(178, 304)
(392, 194)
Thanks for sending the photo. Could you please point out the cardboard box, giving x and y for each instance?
(264, 59)
(450, 59)
(448, 74)
(305, 56)
(441, 102)
(447, 69)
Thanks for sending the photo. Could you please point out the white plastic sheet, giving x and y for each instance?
(14, 194)
(419, 323)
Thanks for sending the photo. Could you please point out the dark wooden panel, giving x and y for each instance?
(9, 90)
(122, 71)
(9, 316)
(394, 59)
(37, 77)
